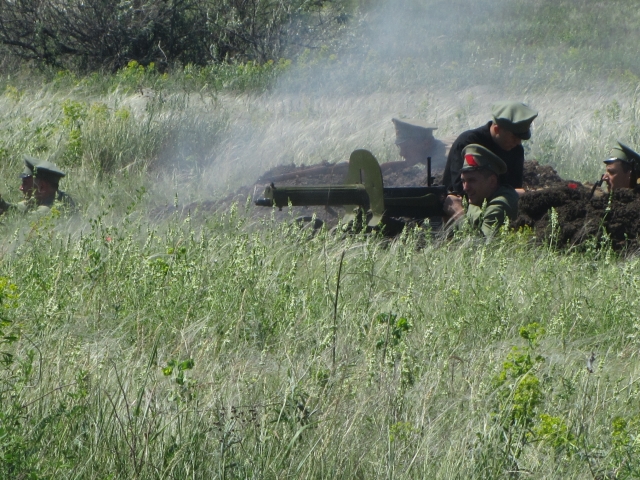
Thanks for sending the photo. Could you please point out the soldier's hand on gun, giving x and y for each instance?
(452, 207)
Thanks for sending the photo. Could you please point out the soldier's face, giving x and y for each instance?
(504, 138)
(615, 176)
(43, 191)
(478, 186)
(26, 187)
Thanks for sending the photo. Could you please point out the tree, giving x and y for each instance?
(90, 34)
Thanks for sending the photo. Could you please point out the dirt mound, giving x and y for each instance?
(540, 176)
(581, 217)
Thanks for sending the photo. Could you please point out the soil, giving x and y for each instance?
(540, 176)
(581, 217)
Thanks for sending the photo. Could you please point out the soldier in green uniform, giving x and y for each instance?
(491, 203)
(621, 168)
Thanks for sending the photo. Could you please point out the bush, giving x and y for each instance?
(89, 35)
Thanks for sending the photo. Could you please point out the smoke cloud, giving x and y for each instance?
(444, 62)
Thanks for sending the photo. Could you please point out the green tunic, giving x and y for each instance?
(500, 208)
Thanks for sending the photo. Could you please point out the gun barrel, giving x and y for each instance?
(417, 202)
(327, 195)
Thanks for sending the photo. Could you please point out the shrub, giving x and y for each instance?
(94, 34)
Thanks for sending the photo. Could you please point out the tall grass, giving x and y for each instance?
(207, 350)
(206, 145)
(142, 344)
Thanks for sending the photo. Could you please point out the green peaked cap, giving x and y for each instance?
(48, 171)
(477, 157)
(515, 117)
(29, 163)
(624, 154)
(412, 129)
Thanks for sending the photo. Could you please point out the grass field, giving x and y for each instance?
(138, 345)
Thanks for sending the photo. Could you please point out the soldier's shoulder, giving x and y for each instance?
(506, 198)
(506, 192)
(478, 135)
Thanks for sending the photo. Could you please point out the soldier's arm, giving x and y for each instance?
(452, 207)
(455, 162)
(517, 171)
(4, 205)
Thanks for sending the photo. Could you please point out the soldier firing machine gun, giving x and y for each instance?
(364, 196)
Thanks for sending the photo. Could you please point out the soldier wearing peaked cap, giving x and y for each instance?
(491, 204)
(622, 168)
(26, 187)
(415, 140)
(46, 181)
(40, 181)
(503, 135)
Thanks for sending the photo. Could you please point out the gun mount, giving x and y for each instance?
(363, 192)
(596, 185)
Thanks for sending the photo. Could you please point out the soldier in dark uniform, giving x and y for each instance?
(503, 136)
(46, 192)
(622, 168)
(26, 187)
(491, 203)
(26, 184)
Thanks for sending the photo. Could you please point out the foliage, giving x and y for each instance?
(86, 36)
(153, 337)
(207, 345)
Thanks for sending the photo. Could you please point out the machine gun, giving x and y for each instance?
(596, 185)
(364, 196)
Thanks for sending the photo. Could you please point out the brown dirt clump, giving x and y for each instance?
(540, 176)
(581, 217)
